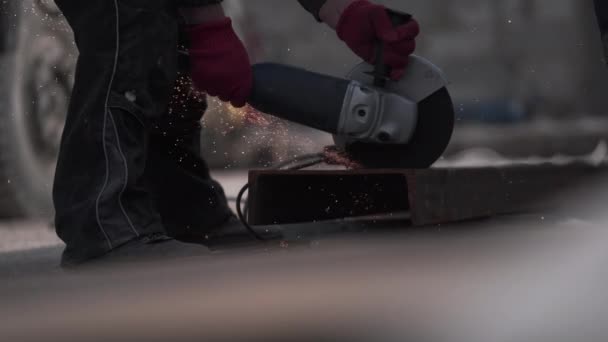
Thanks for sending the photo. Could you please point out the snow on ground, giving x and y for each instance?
(24, 235)
(484, 157)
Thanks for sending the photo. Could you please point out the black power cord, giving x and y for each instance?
(242, 218)
(299, 162)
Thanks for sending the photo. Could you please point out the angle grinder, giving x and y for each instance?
(376, 121)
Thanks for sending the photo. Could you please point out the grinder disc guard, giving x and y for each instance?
(424, 84)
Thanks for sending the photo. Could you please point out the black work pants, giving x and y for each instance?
(129, 164)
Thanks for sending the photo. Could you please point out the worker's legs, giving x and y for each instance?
(125, 76)
(190, 202)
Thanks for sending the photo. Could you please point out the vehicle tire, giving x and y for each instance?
(36, 66)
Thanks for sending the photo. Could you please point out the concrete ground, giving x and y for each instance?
(532, 277)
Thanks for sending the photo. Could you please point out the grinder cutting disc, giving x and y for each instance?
(424, 84)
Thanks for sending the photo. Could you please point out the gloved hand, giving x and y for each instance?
(220, 64)
(363, 23)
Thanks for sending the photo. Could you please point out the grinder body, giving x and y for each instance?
(348, 109)
(378, 122)
(378, 126)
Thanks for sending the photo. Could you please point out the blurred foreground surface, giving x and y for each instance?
(532, 277)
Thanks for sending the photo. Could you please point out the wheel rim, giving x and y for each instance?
(46, 91)
(42, 69)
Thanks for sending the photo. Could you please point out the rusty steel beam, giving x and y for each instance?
(432, 196)
(452, 195)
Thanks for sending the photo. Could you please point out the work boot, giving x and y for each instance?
(155, 247)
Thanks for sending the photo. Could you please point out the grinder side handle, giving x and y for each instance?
(382, 71)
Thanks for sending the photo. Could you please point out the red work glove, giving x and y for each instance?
(220, 64)
(363, 23)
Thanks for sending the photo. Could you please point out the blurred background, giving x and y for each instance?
(528, 79)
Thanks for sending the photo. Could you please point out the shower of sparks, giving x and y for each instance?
(260, 129)
(241, 136)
